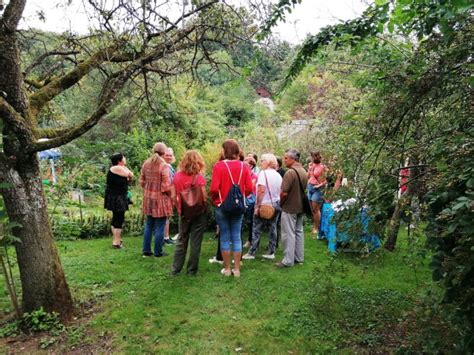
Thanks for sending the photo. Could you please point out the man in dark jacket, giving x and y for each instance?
(291, 200)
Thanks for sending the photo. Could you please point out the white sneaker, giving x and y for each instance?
(269, 256)
(248, 257)
(215, 261)
(247, 245)
(175, 237)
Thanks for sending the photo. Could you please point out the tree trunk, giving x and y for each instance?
(394, 223)
(403, 204)
(42, 278)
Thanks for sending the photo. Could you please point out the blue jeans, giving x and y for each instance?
(315, 194)
(230, 230)
(154, 225)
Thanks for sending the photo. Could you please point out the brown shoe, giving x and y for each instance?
(280, 265)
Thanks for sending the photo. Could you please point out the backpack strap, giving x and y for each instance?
(194, 180)
(241, 171)
(231, 178)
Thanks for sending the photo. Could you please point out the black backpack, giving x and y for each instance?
(234, 203)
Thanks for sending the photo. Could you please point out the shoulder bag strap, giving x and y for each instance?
(299, 180)
(268, 187)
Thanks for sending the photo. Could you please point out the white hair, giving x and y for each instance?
(271, 159)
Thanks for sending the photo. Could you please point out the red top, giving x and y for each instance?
(254, 178)
(222, 182)
(404, 177)
(183, 181)
(315, 173)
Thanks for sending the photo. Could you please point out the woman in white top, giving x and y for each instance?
(268, 193)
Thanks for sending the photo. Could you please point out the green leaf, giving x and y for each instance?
(462, 5)
(390, 26)
(470, 183)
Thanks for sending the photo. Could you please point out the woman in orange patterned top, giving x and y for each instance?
(157, 203)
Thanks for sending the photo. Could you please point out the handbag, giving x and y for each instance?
(266, 211)
(193, 203)
(307, 210)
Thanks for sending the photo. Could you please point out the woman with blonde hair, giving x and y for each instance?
(268, 194)
(191, 227)
(169, 159)
(157, 204)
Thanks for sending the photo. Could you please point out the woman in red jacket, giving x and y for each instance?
(191, 230)
(226, 173)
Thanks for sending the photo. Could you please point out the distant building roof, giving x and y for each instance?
(262, 92)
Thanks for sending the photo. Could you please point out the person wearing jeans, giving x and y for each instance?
(230, 232)
(316, 183)
(154, 226)
(157, 203)
(225, 173)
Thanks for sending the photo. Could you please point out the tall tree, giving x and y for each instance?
(136, 42)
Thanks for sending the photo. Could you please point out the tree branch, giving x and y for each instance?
(48, 92)
(174, 25)
(5, 164)
(14, 120)
(110, 54)
(107, 98)
(35, 83)
(44, 56)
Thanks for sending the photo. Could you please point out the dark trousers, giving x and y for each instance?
(218, 252)
(258, 225)
(248, 221)
(190, 232)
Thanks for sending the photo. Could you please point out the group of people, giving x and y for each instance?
(242, 193)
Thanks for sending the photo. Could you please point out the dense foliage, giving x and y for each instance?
(417, 113)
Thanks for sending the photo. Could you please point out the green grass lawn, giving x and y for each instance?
(312, 307)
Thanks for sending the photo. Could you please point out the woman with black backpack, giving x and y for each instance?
(230, 183)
